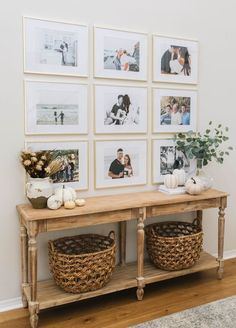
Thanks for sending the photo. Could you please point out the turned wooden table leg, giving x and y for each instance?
(140, 253)
(24, 262)
(123, 226)
(221, 232)
(32, 253)
(199, 217)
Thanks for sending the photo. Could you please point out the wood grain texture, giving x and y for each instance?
(49, 295)
(107, 209)
(122, 310)
(104, 204)
(122, 238)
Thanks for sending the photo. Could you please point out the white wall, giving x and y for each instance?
(211, 22)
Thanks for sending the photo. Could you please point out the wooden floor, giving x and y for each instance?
(121, 310)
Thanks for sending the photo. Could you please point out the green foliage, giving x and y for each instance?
(206, 146)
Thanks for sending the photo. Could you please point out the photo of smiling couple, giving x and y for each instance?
(121, 166)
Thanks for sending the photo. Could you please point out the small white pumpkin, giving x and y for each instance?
(73, 192)
(80, 202)
(54, 202)
(194, 186)
(69, 205)
(66, 194)
(171, 181)
(181, 175)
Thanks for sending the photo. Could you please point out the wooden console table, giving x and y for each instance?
(38, 295)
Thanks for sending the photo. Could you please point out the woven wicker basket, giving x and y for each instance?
(174, 245)
(82, 263)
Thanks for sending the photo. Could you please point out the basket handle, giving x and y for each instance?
(197, 223)
(51, 245)
(153, 232)
(112, 234)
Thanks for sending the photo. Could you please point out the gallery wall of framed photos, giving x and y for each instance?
(109, 100)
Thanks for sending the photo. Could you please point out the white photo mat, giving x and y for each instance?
(81, 169)
(162, 44)
(157, 170)
(106, 100)
(46, 102)
(106, 153)
(57, 48)
(108, 42)
(159, 94)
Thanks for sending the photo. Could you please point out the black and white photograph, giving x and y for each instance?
(55, 107)
(174, 110)
(57, 114)
(166, 158)
(120, 163)
(74, 156)
(120, 109)
(120, 54)
(175, 60)
(55, 48)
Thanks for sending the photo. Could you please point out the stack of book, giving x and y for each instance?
(172, 191)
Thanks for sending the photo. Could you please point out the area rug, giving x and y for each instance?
(219, 314)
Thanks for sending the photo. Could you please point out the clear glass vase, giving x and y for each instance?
(206, 180)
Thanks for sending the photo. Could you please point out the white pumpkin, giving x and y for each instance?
(70, 204)
(66, 194)
(54, 202)
(181, 175)
(171, 181)
(194, 186)
(73, 192)
(80, 202)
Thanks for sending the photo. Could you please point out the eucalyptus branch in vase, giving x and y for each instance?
(205, 147)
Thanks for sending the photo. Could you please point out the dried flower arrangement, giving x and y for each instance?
(41, 164)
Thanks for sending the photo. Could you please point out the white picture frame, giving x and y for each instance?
(175, 60)
(55, 108)
(164, 154)
(174, 110)
(52, 47)
(129, 104)
(78, 179)
(134, 173)
(120, 54)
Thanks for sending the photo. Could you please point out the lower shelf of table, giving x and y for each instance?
(124, 277)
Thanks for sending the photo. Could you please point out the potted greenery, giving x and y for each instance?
(204, 147)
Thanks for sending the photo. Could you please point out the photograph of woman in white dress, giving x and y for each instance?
(121, 54)
(176, 60)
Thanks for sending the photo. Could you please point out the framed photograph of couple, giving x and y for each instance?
(120, 109)
(174, 110)
(166, 158)
(120, 54)
(56, 108)
(57, 48)
(120, 163)
(74, 154)
(175, 60)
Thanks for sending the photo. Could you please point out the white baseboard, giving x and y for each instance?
(16, 303)
(11, 304)
(228, 254)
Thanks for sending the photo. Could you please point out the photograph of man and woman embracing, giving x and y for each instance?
(121, 166)
(122, 112)
(176, 60)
